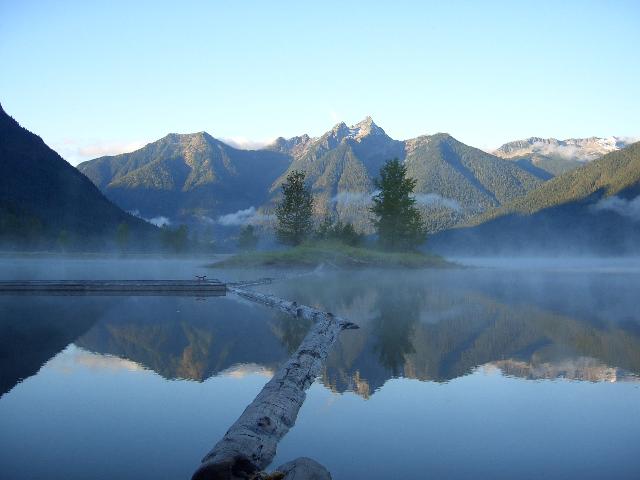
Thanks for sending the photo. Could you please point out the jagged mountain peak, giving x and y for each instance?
(282, 142)
(359, 131)
(293, 146)
(368, 127)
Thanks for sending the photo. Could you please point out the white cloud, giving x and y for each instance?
(244, 143)
(621, 206)
(74, 358)
(159, 221)
(248, 216)
(436, 200)
(76, 150)
(566, 152)
(247, 369)
(354, 198)
(426, 199)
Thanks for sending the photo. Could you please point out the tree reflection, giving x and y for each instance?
(394, 327)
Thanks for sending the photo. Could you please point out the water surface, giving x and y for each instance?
(473, 373)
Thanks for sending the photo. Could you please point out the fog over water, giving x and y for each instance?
(501, 370)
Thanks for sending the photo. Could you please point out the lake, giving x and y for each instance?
(510, 369)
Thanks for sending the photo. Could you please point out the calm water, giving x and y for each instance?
(529, 371)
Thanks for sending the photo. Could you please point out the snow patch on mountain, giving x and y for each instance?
(580, 149)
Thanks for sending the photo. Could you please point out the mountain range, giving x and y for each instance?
(509, 199)
(195, 178)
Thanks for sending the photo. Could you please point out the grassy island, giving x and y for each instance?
(333, 254)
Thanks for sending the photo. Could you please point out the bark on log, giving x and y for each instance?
(250, 444)
(303, 468)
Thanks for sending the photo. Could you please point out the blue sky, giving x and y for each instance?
(95, 77)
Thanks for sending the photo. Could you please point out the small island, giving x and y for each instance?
(400, 230)
(332, 255)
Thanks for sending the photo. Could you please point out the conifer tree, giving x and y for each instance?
(295, 211)
(398, 221)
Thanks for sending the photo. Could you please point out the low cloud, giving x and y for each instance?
(566, 152)
(243, 143)
(159, 221)
(436, 200)
(245, 370)
(621, 206)
(425, 199)
(354, 198)
(248, 216)
(76, 151)
(109, 148)
(585, 151)
(74, 358)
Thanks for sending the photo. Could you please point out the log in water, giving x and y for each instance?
(114, 287)
(250, 444)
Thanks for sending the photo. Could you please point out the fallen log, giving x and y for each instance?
(250, 444)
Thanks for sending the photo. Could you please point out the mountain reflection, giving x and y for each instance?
(34, 329)
(426, 326)
(180, 338)
(439, 326)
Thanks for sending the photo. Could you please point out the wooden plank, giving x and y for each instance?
(124, 287)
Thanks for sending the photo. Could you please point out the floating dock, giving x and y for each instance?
(199, 288)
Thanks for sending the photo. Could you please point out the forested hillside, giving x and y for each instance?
(592, 209)
(46, 203)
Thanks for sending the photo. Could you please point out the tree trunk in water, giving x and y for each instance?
(250, 444)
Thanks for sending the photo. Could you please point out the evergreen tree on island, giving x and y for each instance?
(398, 221)
(295, 211)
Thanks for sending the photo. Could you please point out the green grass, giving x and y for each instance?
(333, 254)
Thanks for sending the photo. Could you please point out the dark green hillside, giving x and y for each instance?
(186, 177)
(45, 202)
(610, 174)
(552, 165)
(591, 209)
(474, 178)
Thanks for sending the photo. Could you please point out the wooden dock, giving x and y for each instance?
(199, 288)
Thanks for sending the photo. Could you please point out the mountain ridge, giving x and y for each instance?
(560, 156)
(44, 200)
(594, 209)
(196, 177)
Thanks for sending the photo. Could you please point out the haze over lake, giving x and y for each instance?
(466, 373)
